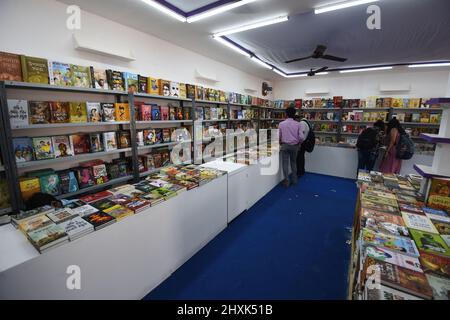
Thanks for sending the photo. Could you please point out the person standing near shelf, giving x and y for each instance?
(291, 136)
(305, 128)
(369, 144)
(390, 162)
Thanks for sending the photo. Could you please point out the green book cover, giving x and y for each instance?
(34, 70)
(78, 112)
(430, 243)
(80, 76)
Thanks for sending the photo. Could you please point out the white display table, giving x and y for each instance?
(123, 261)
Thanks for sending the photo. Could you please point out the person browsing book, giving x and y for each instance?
(390, 162)
(305, 128)
(291, 136)
(368, 144)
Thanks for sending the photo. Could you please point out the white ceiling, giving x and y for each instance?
(197, 36)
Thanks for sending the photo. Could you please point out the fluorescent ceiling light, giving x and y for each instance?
(343, 5)
(165, 10)
(232, 46)
(280, 73)
(366, 69)
(426, 65)
(262, 63)
(321, 73)
(255, 25)
(296, 75)
(218, 10)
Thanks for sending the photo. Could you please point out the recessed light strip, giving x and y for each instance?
(218, 10)
(255, 25)
(165, 10)
(232, 46)
(366, 69)
(262, 63)
(344, 5)
(428, 65)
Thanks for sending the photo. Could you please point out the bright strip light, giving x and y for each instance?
(426, 65)
(262, 63)
(252, 26)
(218, 10)
(321, 73)
(296, 75)
(280, 73)
(366, 69)
(342, 6)
(165, 10)
(232, 46)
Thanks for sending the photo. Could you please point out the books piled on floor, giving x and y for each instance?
(47, 227)
(402, 244)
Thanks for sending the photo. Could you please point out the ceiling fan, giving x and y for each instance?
(319, 54)
(314, 72)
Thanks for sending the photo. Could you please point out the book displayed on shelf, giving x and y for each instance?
(131, 81)
(28, 187)
(68, 182)
(81, 76)
(34, 70)
(108, 112)
(10, 67)
(50, 184)
(430, 242)
(99, 78)
(115, 80)
(164, 87)
(23, 149)
(43, 148)
(110, 141)
(39, 112)
(18, 113)
(59, 112)
(60, 74)
(62, 145)
(80, 143)
(94, 111)
(96, 143)
(122, 111)
(153, 86)
(78, 112)
(142, 84)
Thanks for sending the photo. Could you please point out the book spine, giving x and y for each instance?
(50, 73)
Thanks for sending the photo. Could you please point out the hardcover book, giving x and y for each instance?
(43, 148)
(62, 215)
(80, 143)
(137, 205)
(119, 212)
(145, 112)
(76, 228)
(96, 144)
(395, 258)
(435, 263)
(50, 184)
(59, 112)
(153, 86)
(85, 210)
(18, 113)
(199, 93)
(99, 78)
(387, 293)
(115, 80)
(10, 67)
(80, 76)
(108, 112)
(34, 70)
(143, 84)
(94, 111)
(418, 222)
(190, 91)
(156, 113)
(439, 194)
(60, 74)
(23, 149)
(124, 139)
(47, 237)
(399, 244)
(110, 141)
(378, 221)
(444, 230)
(131, 81)
(430, 243)
(174, 89)
(39, 112)
(122, 111)
(404, 207)
(28, 187)
(164, 113)
(183, 92)
(152, 198)
(62, 146)
(103, 204)
(34, 223)
(99, 219)
(78, 112)
(100, 173)
(440, 287)
(164, 88)
(68, 181)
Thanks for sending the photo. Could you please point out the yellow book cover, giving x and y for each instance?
(414, 103)
(164, 87)
(122, 111)
(119, 212)
(153, 86)
(397, 103)
(183, 91)
(28, 187)
(78, 112)
(439, 194)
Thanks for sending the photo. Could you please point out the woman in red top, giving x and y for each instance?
(390, 163)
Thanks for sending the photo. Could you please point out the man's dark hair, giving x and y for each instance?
(40, 199)
(290, 112)
(379, 124)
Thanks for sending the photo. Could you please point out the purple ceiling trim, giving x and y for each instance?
(170, 6)
(208, 7)
(434, 138)
(237, 45)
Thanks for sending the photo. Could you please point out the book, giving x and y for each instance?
(85, 210)
(100, 174)
(78, 112)
(145, 112)
(164, 88)
(119, 212)
(59, 112)
(174, 89)
(142, 84)
(99, 219)
(47, 237)
(418, 222)
(122, 111)
(444, 230)
(28, 187)
(430, 243)
(398, 244)
(153, 198)
(164, 113)
(435, 263)
(18, 112)
(156, 113)
(10, 67)
(395, 258)
(80, 76)
(103, 204)
(436, 214)
(153, 86)
(43, 148)
(62, 146)
(99, 78)
(39, 112)
(378, 221)
(439, 194)
(76, 228)
(95, 141)
(50, 184)
(190, 91)
(386, 293)
(34, 223)
(94, 111)
(166, 193)
(404, 207)
(183, 91)
(89, 199)
(108, 112)
(124, 140)
(34, 70)
(85, 177)
(115, 80)
(137, 205)
(80, 143)
(440, 286)
(60, 74)
(68, 181)
(110, 141)
(62, 215)
(131, 81)
(23, 149)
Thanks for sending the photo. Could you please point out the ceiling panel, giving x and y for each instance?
(190, 5)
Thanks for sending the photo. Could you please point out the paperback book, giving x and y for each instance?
(76, 228)
(62, 215)
(50, 184)
(430, 243)
(18, 113)
(39, 112)
(78, 112)
(398, 244)
(99, 219)
(94, 111)
(62, 146)
(43, 148)
(10, 67)
(23, 149)
(47, 237)
(34, 70)
(60, 74)
(59, 112)
(108, 112)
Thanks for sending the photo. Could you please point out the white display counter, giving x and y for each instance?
(123, 261)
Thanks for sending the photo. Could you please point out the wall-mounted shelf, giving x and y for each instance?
(214, 120)
(48, 87)
(164, 122)
(211, 102)
(158, 145)
(158, 97)
(88, 43)
(69, 125)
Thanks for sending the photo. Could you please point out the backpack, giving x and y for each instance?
(367, 140)
(405, 147)
(310, 140)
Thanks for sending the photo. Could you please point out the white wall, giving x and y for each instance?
(430, 83)
(38, 28)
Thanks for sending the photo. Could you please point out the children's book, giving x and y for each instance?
(96, 142)
(23, 149)
(99, 78)
(43, 148)
(80, 76)
(122, 111)
(108, 112)
(59, 112)
(60, 74)
(62, 146)
(50, 184)
(110, 141)
(94, 111)
(78, 112)
(39, 112)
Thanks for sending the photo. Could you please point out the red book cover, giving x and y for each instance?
(164, 113)
(137, 205)
(81, 143)
(435, 263)
(145, 112)
(95, 197)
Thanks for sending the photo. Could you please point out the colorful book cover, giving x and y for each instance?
(59, 112)
(96, 197)
(153, 86)
(418, 222)
(80, 143)
(62, 215)
(404, 207)
(94, 111)
(124, 139)
(430, 243)
(174, 89)
(23, 149)
(190, 91)
(131, 81)
(119, 212)
(10, 67)
(62, 145)
(166, 135)
(386, 293)
(28, 187)
(435, 263)
(34, 70)
(115, 80)
(68, 181)
(436, 214)
(145, 111)
(137, 205)
(153, 198)
(110, 141)
(81, 76)
(108, 112)
(399, 244)
(444, 230)
(159, 136)
(143, 84)
(50, 184)
(46, 237)
(18, 113)
(34, 223)
(39, 112)
(156, 113)
(122, 111)
(378, 221)
(149, 136)
(99, 219)
(199, 93)
(164, 88)
(96, 142)
(440, 286)
(164, 113)
(99, 78)
(78, 112)
(60, 74)
(103, 204)
(43, 148)
(395, 258)
(183, 91)
(439, 194)
(85, 177)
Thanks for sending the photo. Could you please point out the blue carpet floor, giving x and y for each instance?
(290, 245)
